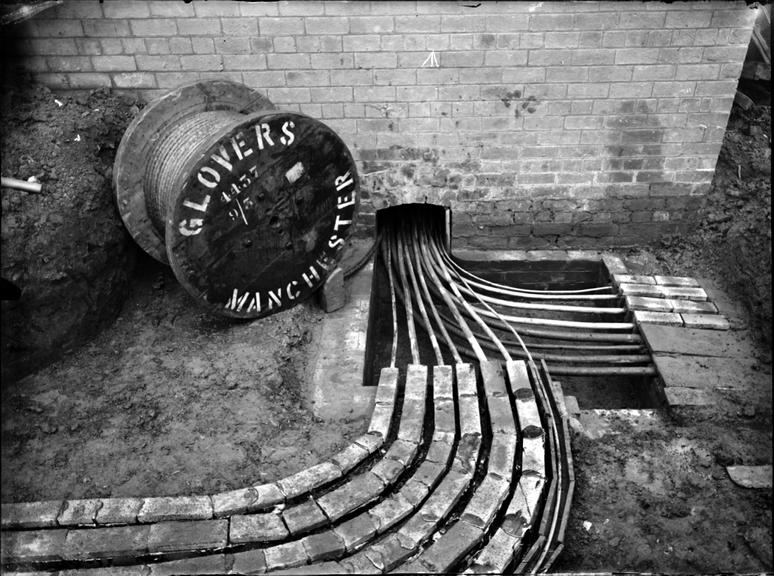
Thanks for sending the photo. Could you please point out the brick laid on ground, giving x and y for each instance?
(390, 511)
(248, 562)
(175, 508)
(244, 500)
(184, 535)
(650, 290)
(105, 543)
(388, 469)
(360, 490)
(79, 512)
(709, 372)
(142, 570)
(356, 531)
(388, 552)
(304, 517)
(359, 564)
(649, 303)
(212, 564)
(414, 491)
(619, 279)
(693, 341)
(675, 281)
(684, 293)
(350, 457)
(691, 307)
(287, 555)
(486, 501)
(384, 402)
(440, 448)
(30, 514)
(451, 547)
(413, 416)
(33, 546)
(323, 546)
(680, 396)
(261, 527)
(402, 451)
(706, 321)
(502, 455)
(371, 441)
(664, 318)
(309, 478)
(497, 554)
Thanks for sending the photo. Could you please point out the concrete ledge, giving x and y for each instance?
(337, 370)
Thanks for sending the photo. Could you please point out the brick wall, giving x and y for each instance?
(540, 124)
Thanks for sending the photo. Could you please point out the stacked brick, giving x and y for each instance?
(541, 124)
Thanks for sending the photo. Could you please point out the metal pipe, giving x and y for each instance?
(7, 182)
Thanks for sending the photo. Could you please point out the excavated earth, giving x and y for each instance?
(156, 397)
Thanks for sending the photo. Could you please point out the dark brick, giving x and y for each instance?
(550, 229)
(598, 230)
(323, 546)
(651, 177)
(187, 535)
(303, 517)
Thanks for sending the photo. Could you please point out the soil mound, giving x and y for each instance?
(66, 247)
(732, 240)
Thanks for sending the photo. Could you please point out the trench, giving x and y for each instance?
(608, 391)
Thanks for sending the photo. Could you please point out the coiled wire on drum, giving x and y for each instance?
(172, 151)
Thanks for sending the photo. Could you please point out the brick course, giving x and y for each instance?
(593, 87)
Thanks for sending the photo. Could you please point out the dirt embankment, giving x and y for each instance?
(732, 241)
(66, 247)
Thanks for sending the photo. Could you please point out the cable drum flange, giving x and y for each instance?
(251, 209)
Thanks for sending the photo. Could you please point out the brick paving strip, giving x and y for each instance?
(50, 532)
(428, 497)
(410, 524)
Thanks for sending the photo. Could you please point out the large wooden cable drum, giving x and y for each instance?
(249, 205)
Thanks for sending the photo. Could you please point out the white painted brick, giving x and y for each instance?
(667, 318)
(676, 281)
(709, 321)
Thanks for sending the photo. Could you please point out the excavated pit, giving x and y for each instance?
(554, 272)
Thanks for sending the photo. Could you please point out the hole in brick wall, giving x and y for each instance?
(608, 391)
